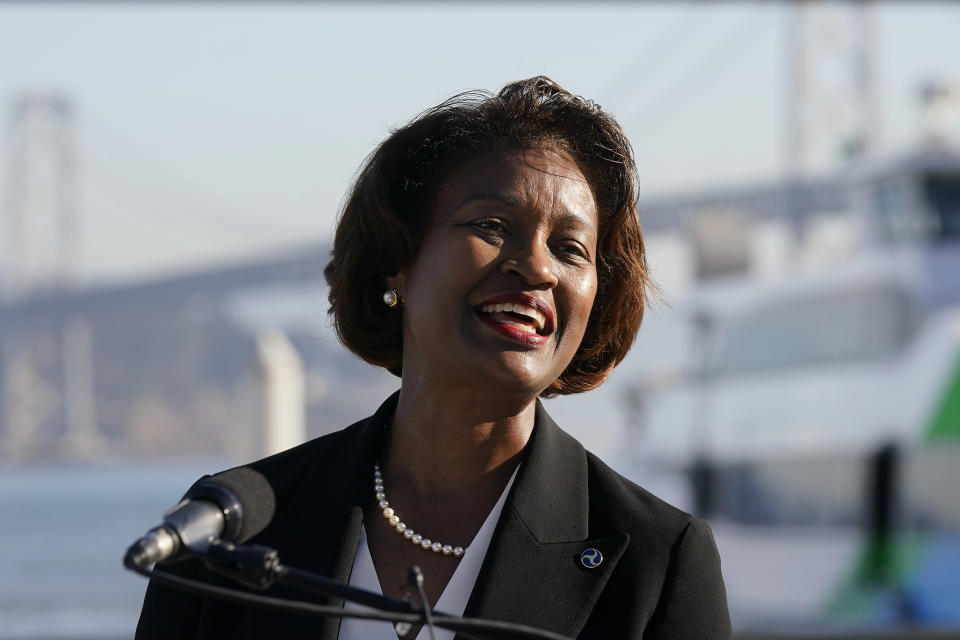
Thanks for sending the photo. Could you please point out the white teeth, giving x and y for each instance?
(517, 325)
(539, 320)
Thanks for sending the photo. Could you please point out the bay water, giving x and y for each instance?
(63, 534)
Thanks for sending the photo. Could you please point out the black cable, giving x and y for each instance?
(474, 628)
(263, 602)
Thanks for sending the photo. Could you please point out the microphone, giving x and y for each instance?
(234, 506)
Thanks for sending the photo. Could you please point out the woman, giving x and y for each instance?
(489, 253)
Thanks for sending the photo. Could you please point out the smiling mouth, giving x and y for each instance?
(516, 316)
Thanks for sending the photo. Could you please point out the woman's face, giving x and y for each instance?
(501, 291)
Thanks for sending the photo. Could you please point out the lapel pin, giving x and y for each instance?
(591, 558)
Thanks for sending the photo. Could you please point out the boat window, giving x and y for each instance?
(942, 197)
(897, 220)
(830, 327)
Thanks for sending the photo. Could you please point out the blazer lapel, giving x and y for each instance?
(533, 572)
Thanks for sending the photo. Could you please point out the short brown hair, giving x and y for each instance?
(388, 208)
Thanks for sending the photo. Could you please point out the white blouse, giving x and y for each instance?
(455, 595)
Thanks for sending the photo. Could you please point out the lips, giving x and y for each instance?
(522, 317)
(516, 314)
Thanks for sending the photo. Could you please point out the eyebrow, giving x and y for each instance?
(496, 196)
(567, 217)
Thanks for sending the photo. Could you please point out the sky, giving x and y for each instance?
(208, 133)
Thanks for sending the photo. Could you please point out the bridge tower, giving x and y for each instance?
(47, 403)
(831, 99)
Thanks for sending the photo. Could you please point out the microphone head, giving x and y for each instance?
(245, 497)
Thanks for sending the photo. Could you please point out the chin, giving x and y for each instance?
(519, 377)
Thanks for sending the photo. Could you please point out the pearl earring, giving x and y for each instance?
(391, 298)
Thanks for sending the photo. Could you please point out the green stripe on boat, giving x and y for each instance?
(945, 424)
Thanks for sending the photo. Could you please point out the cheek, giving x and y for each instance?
(446, 273)
(475, 252)
(587, 289)
(464, 264)
(590, 289)
(583, 292)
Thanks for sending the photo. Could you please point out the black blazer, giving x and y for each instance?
(659, 577)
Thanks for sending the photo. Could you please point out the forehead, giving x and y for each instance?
(542, 178)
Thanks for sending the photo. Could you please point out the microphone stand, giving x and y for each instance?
(259, 568)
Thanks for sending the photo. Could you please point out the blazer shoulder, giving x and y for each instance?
(615, 504)
(693, 599)
(671, 563)
(289, 460)
(287, 470)
(621, 504)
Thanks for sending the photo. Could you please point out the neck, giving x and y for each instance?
(456, 439)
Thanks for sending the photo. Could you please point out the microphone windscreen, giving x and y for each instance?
(247, 489)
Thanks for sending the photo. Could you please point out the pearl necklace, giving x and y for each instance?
(394, 521)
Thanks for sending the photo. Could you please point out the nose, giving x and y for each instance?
(533, 264)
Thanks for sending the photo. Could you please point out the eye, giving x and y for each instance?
(573, 251)
(490, 224)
